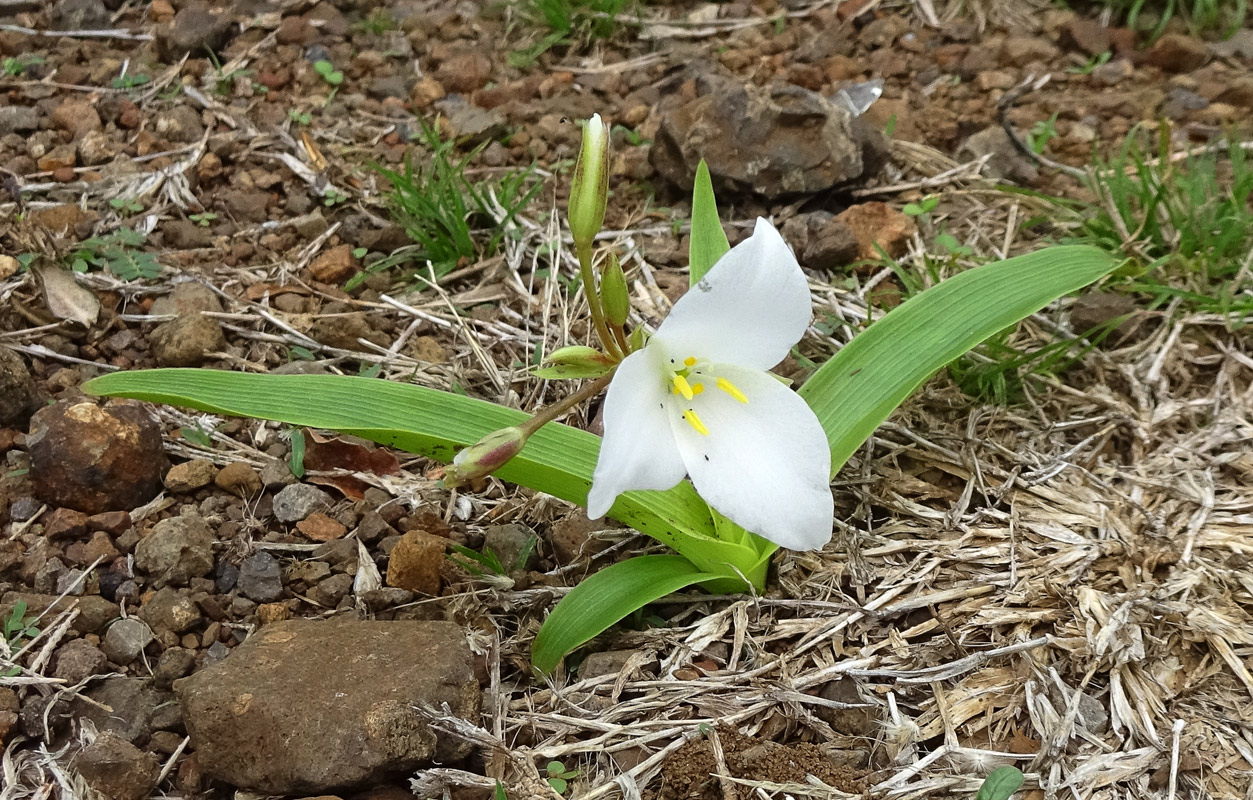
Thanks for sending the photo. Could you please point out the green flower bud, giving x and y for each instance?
(638, 338)
(484, 457)
(615, 298)
(589, 190)
(575, 361)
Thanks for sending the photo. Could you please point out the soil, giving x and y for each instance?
(247, 181)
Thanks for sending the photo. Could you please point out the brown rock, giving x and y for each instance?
(117, 769)
(321, 528)
(78, 660)
(190, 475)
(76, 115)
(193, 29)
(1238, 93)
(101, 547)
(416, 562)
(239, 478)
(59, 157)
(187, 341)
(299, 707)
(335, 265)
(187, 297)
(1086, 35)
(170, 610)
(295, 30)
(62, 218)
(96, 148)
(1097, 309)
(113, 522)
(95, 459)
(17, 389)
(464, 72)
(571, 537)
(94, 612)
(269, 613)
(878, 225)
(1176, 52)
(177, 550)
(8, 715)
(65, 522)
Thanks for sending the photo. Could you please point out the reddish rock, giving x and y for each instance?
(321, 528)
(190, 475)
(118, 769)
(335, 265)
(76, 115)
(95, 459)
(59, 157)
(1087, 35)
(1176, 52)
(427, 91)
(416, 561)
(239, 479)
(464, 72)
(878, 225)
(112, 522)
(65, 522)
(295, 30)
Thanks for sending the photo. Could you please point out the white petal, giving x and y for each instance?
(765, 464)
(749, 309)
(639, 451)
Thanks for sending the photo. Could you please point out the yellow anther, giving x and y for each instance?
(697, 388)
(730, 388)
(690, 361)
(695, 422)
(681, 386)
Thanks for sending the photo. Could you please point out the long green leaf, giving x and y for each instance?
(558, 459)
(604, 597)
(873, 374)
(708, 240)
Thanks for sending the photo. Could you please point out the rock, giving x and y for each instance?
(100, 546)
(572, 540)
(344, 330)
(859, 722)
(415, 563)
(177, 550)
(471, 125)
(509, 542)
(295, 30)
(298, 501)
(60, 157)
(1020, 50)
(180, 124)
(79, 15)
(9, 709)
(78, 660)
(464, 72)
(1180, 102)
(820, 240)
(190, 475)
(18, 119)
(95, 459)
(67, 217)
(1086, 35)
(332, 589)
(1004, 159)
(194, 28)
(800, 141)
(1112, 73)
(248, 206)
(96, 148)
(188, 297)
(187, 341)
(183, 234)
(276, 474)
(299, 707)
(321, 528)
(78, 116)
(170, 610)
(125, 640)
(239, 479)
(111, 522)
(65, 523)
(1239, 92)
(425, 92)
(17, 389)
(117, 769)
(261, 578)
(175, 662)
(335, 265)
(1096, 309)
(125, 707)
(94, 612)
(605, 662)
(878, 225)
(1176, 52)
(385, 86)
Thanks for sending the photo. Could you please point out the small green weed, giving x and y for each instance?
(118, 253)
(126, 207)
(480, 563)
(16, 65)
(300, 117)
(449, 215)
(16, 633)
(326, 69)
(1041, 134)
(1092, 63)
(500, 792)
(197, 436)
(1000, 784)
(296, 461)
(204, 219)
(334, 197)
(379, 22)
(130, 80)
(569, 23)
(1202, 16)
(559, 777)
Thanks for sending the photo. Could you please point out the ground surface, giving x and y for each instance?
(1060, 584)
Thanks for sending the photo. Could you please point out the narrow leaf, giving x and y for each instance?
(875, 372)
(1000, 784)
(558, 459)
(605, 597)
(708, 239)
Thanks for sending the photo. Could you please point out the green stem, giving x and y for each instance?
(584, 253)
(562, 406)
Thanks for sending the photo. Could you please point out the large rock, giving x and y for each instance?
(117, 769)
(194, 28)
(17, 388)
(177, 550)
(95, 459)
(307, 707)
(776, 140)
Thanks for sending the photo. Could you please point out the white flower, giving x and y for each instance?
(697, 400)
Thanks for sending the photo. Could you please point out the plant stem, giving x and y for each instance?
(562, 406)
(584, 253)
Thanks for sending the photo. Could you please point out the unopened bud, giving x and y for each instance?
(614, 296)
(575, 361)
(637, 340)
(589, 190)
(484, 457)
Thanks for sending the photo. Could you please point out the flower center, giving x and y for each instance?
(689, 380)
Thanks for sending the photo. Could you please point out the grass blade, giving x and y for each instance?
(604, 597)
(875, 372)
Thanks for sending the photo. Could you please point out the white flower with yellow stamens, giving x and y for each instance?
(697, 400)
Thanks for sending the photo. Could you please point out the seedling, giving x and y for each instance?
(922, 207)
(130, 80)
(326, 69)
(15, 66)
(569, 23)
(1000, 784)
(204, 219)
(334, 197)
(197, 436)
(479, 563)
(1041, 134)
(559, 777)
(359, 252)
(117, 253)
(300, 117)
(1092, 63)
(126, 206)
(16, 631)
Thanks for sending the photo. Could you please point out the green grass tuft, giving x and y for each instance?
(570, 23)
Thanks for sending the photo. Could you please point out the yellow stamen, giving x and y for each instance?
(695, 422)
(690, 361)
(697, 388)
(681, 386)
(730, 388)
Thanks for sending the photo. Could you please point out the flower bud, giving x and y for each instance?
(589, 190)
(638, 338)
(614, 296)
(484, 457)
(575, 361)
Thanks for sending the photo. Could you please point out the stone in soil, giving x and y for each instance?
(572, 540)
(878, 225)
(416, 563)
(64, 523)
(9, 708)
(1095, 309)
(1176, 52)
(190, 475)
(177, 550)
(294, 503)
(820, 240)
(335, 265)
(239, 479)
(129, 708)
(1004, 159)
(801, 142)
(194, 28)
(17, 389)
(170, 610)
(261, 577)
(180, 124)
(182, 234)
(95, 459)
(117, 769)
(299, 707)
(125, 640)
(174, 663)
(321, 528)
(861, 720)
(78, 660)
(187, 341)
(187, 297)
(509, 542)
(78, 15)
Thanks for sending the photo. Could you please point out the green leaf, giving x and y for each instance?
(1000, 784)
(296, 463)
(558, 459)
(605, 597)
(708, 239)
(563, 372)
(875, 372)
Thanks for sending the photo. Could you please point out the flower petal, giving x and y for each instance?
(638, 451)
(764, 463)
(749, 309)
